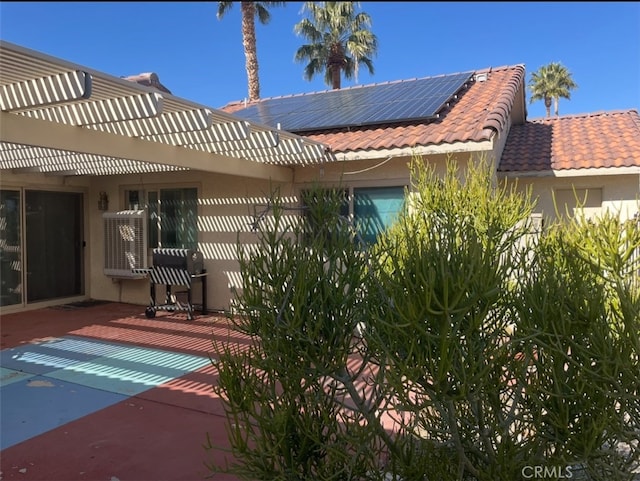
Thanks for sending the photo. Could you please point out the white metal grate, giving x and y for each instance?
(125, 243)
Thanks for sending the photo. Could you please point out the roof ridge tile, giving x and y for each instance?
(498, 117)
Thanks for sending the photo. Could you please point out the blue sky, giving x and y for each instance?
(200, 58)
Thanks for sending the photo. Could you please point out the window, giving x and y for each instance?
(172, 216)
(570, 202)
(375, 209)
(372, 209)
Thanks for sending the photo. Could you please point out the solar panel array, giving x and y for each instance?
(407, 100)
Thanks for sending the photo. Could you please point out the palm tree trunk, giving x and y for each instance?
(249, 43)
(556, 102)
(547, 105)
(335, 62)
(335, 77)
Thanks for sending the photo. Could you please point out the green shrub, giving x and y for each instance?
(293, 409)
(492, 348)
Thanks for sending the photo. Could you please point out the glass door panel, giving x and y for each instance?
(10, 248)
(179, 218)
(54, 245)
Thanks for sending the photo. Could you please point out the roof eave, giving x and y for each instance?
(588, 172)
(432, 149)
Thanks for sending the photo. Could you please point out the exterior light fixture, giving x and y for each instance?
(103, 201)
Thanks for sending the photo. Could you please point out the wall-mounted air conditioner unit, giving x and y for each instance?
(125, 243)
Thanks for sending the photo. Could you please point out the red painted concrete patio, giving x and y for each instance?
(154, 435)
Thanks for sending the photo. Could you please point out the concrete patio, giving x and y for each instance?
(103, 393)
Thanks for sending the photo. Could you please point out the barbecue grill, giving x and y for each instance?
(185, 259)
(176, 267)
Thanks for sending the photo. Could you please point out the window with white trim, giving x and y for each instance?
(570, 202)
(172, 215)
(372, 209)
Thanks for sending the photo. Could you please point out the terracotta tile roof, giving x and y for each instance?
(148, 79)
(598, 140)
(478, 113)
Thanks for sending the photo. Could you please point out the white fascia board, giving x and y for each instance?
(417, 150)
(573, 172)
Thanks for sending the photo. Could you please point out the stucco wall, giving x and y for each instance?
(389, 171)
(226, 206)
(619, 194)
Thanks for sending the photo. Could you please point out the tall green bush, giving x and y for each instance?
(449, 267)
(578, 324)
(561, 392)
(294, 401)
(494, 350)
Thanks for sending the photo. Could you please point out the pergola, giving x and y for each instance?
(60, 118)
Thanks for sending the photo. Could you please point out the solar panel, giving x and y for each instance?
(406, 100)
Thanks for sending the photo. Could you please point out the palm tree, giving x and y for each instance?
(340, 40)
(550, 83)
(250, 10)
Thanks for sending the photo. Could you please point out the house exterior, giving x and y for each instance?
(76, 144)
(593, 157)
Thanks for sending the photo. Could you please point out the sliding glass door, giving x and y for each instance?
(54, 244)
(10, 248)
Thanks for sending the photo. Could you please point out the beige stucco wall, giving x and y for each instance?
(226, 205)
(619, 194)
(389, 171)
